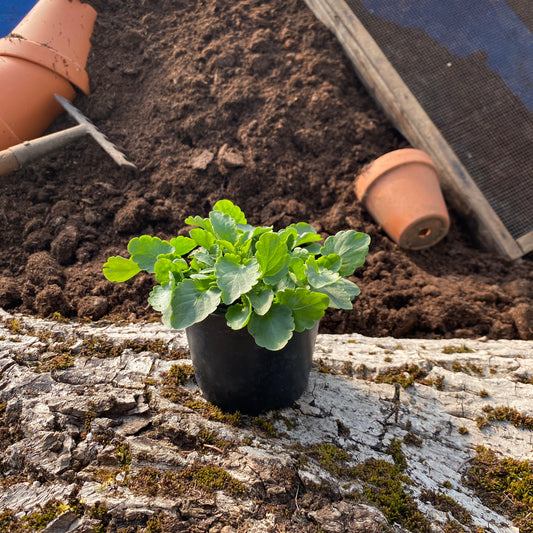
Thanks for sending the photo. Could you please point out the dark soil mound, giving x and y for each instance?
(247, 100)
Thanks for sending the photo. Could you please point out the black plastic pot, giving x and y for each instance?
(237, 375)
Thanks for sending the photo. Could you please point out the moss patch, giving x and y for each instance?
(207, 478)
(103, 348)
(457, 349)
(44, 515)
(177, 375)
(446, 503)
(405, 375)
(384, 485)
(383, 481)
(503, 483)
(330, 457)
(508, 414)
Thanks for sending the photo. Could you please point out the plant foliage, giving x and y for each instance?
(271, 282)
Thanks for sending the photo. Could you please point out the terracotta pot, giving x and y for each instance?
(236, 374)
(45, 55)
(401, 191)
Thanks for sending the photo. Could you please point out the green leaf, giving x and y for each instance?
(297, 267)
(351, 245)
(204, 223)
(120, 269)
(189, 305)
(289, 236)
(202, 238)
(272, 254)
(229, 208)
(182, 245)
(312, 248)
(238, 315)
(319, 276)
(145, 249)
(331, 262)
(274, 329)
(164, 266)
(341, 293)
(160, 297)
(224, 227)
(307, 307)
(261, 301)
(234, 278)
(306, 233)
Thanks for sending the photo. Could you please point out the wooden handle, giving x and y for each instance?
(8, 162)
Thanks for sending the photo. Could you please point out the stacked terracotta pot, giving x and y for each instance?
(45, 55)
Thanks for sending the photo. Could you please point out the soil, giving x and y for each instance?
(252, 101)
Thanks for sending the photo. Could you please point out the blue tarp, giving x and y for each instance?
(12, 12)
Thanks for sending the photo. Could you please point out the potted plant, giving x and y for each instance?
(249, 299)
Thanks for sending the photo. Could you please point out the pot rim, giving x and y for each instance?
(387, 163)
(46, 57)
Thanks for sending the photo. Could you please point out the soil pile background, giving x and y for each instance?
(252, 101)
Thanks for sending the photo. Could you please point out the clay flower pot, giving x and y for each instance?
(45, 55)
(401, 191)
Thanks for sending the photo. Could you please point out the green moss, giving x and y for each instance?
(207, 478)
(508, 414)
(405, 375)
(482, 422)
(457, 349)
(394, 449)
(152, 482)
(504, 483)
(10, 523)
(177, 375)
(100, 512)
(265, 425)
(324, 368)
(453, 527)
(123, 454)
(384, 487)
(208, 438)
(443, 502)
(212, 478)
(525, 378)
(14, 326)
(212, 412)
(437, 382)
(100, 347)
(44, 515)
(330, 457)
(59, 362)
(87, 423)
(483, 393)
(463, 430)
(58, 317)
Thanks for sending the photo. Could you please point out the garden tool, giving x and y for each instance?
(17, 156)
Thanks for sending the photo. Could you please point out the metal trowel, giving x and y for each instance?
(20, 155)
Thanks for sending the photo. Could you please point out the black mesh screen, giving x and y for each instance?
(470, 66)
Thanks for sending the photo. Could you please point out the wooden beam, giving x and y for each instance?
(526, 242)
(401, 106)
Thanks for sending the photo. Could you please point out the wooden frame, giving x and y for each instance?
(389, 90)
